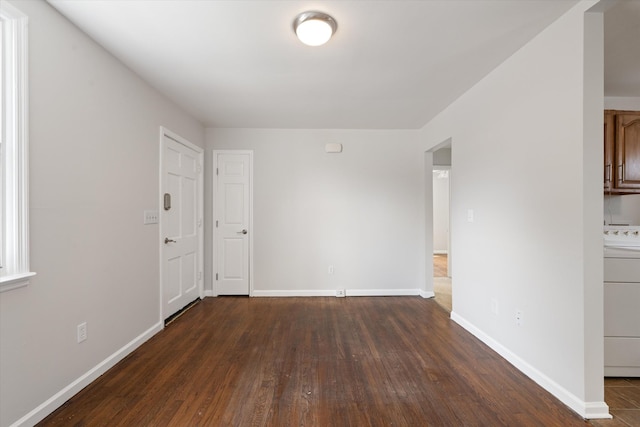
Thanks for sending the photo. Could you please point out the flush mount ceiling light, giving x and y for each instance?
(314, 28)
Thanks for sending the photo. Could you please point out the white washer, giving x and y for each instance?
(622, 301)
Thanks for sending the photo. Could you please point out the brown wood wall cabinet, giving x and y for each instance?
(621, 152)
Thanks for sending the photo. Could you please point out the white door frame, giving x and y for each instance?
(177, 138)
(428, 213)
(214, 233)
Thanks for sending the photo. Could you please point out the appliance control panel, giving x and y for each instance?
(622, 235)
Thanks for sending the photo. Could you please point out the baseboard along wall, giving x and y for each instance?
(55, 401)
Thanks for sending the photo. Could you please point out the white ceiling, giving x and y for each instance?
(236, 63)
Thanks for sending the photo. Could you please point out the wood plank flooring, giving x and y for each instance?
(623, 397)
(442, 283)
(360, 361)
(621, 394)
(440, 265)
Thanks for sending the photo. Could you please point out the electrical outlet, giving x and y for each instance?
(151, 217)
(341, 293)
(519, 317)
(82, 332)
(331, 269)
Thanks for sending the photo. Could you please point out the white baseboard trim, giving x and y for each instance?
(382, 292)
(209, 293)
(55, 401)
(591, 410)
(294, 293)
(440, 252)
(427, 294)
(618, 371)
(332, 293)
(596, 411)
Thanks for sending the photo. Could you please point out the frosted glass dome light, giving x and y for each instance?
(314, 28)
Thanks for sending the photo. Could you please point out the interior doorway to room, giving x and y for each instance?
(441, 227)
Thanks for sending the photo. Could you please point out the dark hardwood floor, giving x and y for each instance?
(360, 361)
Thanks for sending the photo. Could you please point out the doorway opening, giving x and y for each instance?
(441, 198)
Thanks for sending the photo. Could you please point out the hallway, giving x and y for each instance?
(442, 283)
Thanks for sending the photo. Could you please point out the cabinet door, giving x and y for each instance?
(628, 151)
(609, 144)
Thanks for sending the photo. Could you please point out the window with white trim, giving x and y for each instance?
(14, 209)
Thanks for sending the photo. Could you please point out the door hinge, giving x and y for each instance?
(216, 223)
(216, 171)
(216, 276)
(198, 168)
(200, 222)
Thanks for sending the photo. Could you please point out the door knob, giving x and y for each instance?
(244, 232)
(168, 240)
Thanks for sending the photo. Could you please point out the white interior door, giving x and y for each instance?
(181, 223)
(232, 217)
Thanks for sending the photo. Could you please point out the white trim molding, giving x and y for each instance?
(55, 401)
(294, 293)
(427, 294)
(348, 292)
(591, 410)
(382, 292)
(15, 272)
(15, 281)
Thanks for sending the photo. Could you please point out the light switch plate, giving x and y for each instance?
(151, 217)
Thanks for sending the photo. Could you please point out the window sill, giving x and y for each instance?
(8, 283)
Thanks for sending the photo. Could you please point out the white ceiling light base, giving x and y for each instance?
(333, 147)
(314, 28)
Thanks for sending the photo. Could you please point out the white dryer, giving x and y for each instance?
(622, 301)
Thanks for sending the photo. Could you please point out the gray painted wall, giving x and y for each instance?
(94, 157)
